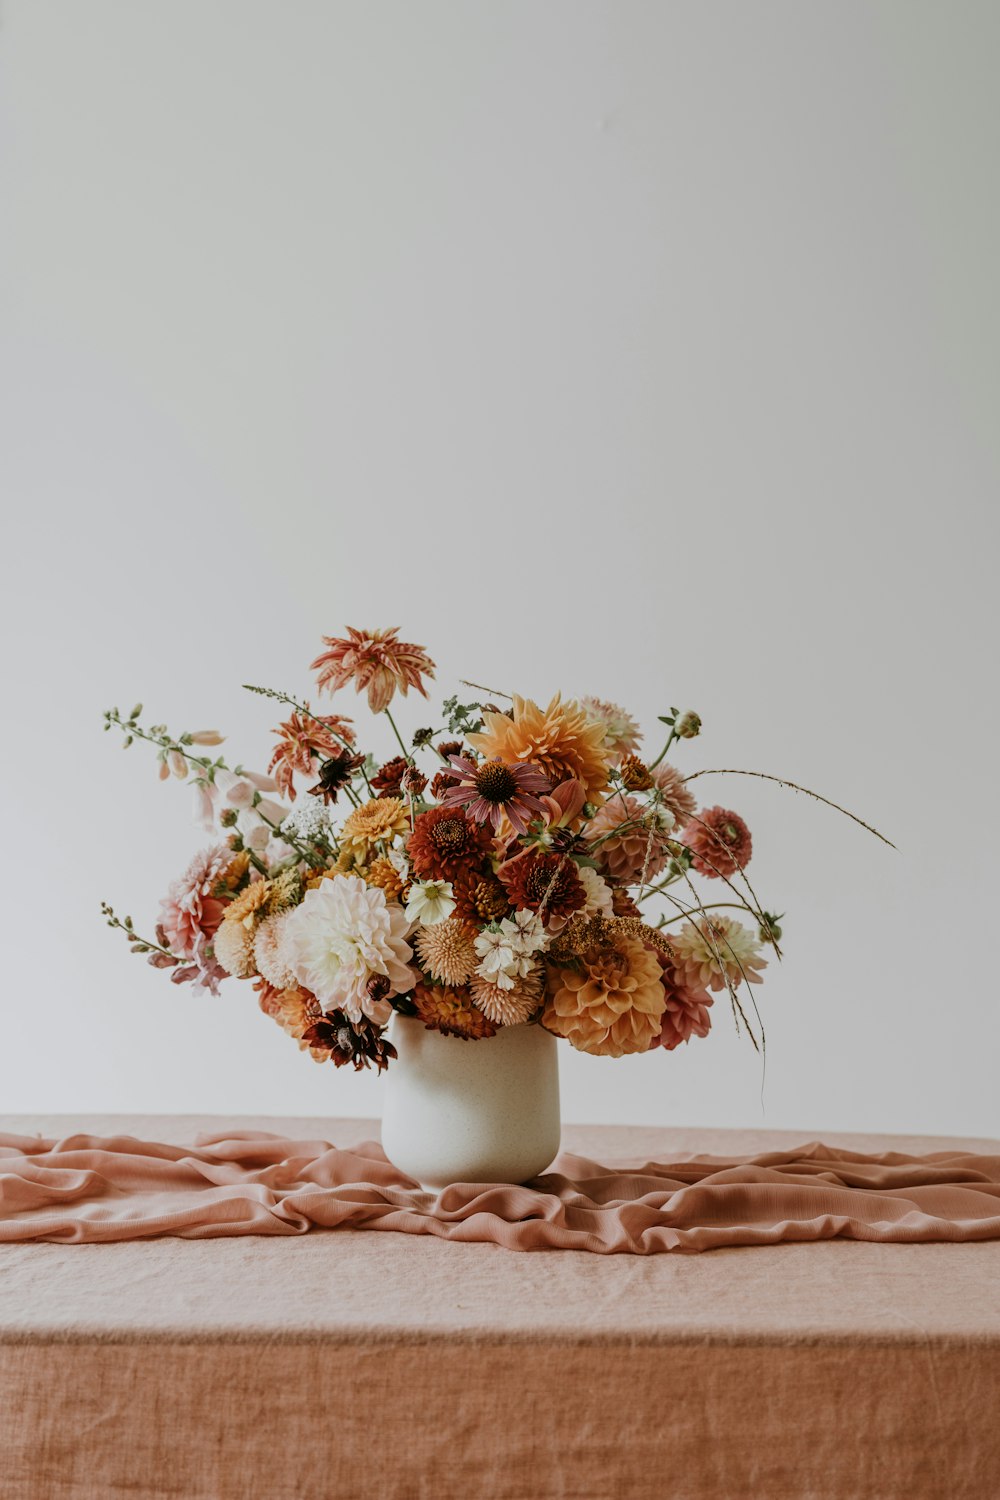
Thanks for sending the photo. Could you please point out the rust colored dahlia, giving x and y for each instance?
(674, 794)
(627, 841)
(444, 842)
(383, 818)
(610, 1003)
(451, 1011)
(509, 1007)
(543, 883)
(560, 739)
(374, 660)
(719, 841)
(301, 739)
(388, 779)
(446, 950)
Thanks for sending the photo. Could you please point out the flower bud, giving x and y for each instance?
(688, 726)
(206, 737)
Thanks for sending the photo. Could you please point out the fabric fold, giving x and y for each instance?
(86, 1189)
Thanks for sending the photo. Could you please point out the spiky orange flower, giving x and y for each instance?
(451, 1011)
(560, 738)
(376, 660)
(300, 739)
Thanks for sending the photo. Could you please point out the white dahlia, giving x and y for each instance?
(621, 732)
(344, 936)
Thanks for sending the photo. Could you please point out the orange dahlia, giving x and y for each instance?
(451, 1011)
(383, 818)
(376, 660)
(611, 1003)
(300, 739)
(560, 738)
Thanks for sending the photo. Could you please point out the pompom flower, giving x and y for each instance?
(674, 794)
(344, 935)
(560, 739)
(622, 735)
(509, 1007)
(706, 951)
(190, 907)
(445, 842)
(270, 959)
(381, 819)
(374, 660)
(301, 739)
(611, 1003)
(450, 1010)
(233, 946)
(430, 902)
(719, 841)
(492, 790)
(629, 839)
(447, 951)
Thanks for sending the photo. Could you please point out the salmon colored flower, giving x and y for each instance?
(374, 660)
(449, 1009)
(610, 1003)
(301, 739)
(719, 841)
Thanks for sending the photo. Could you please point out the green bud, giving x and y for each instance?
(136, 711)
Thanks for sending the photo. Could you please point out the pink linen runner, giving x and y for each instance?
(89, 1188)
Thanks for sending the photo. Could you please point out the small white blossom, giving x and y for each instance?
(506, 949)
(430, 901)
(309, 820)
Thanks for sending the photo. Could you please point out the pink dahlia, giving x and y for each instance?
(687, 1009)
(190, 910)
(719, 841)
(490, 790)
(629, 840)
(674, 794)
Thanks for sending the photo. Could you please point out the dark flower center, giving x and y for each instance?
(495, 782)
(450, 835)
(542, 882)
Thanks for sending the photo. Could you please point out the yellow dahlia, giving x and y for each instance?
(451, 1011)
(609, 1005)
(383, 818)
(560, 739)
(447, 950)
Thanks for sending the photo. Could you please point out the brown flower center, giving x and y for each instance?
(542, 882)
(495, 782)
(450, 835)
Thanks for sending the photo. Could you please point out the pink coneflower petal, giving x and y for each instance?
(491, 790)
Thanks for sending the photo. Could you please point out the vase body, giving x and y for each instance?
(471, 1111)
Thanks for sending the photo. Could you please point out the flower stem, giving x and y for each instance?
(406, 754)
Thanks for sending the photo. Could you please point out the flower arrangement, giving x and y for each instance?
(494, 872)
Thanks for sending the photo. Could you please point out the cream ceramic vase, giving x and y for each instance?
(471, 1111)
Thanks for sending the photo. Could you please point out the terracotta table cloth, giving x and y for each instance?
(380, 1364)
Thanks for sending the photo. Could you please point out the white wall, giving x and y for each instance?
(649, 350)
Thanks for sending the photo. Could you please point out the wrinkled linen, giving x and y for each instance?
(87, 1188)
(301, 1366)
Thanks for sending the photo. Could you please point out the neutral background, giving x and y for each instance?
(649, 350)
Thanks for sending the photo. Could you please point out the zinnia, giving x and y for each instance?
(376, 660)
(560, 739)
(611, 1004)
(719, 841)
(544, 883)
(343, 935)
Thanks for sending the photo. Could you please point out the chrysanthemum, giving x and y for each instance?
(376, 660)
(610, 1003)
(446, 950)
(270, 958)
(444, 842)
(390, 877)
(343, 935)
(492, 790)
(560, 739)
(509, 1007)
(622, 735)
(190, 908)
(545, 883)
(629, 840)
(233, 945)
(301, 739)
(687, 1010)
(707, 950)
(381, 819)
(674, 793)
(719, 841)
(450, 1010)
(388, 780)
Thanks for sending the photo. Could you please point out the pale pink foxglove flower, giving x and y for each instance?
(207, 737)
(204, 804)
(178, 764)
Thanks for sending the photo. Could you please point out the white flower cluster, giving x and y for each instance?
(309, 820)
(507, 949)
